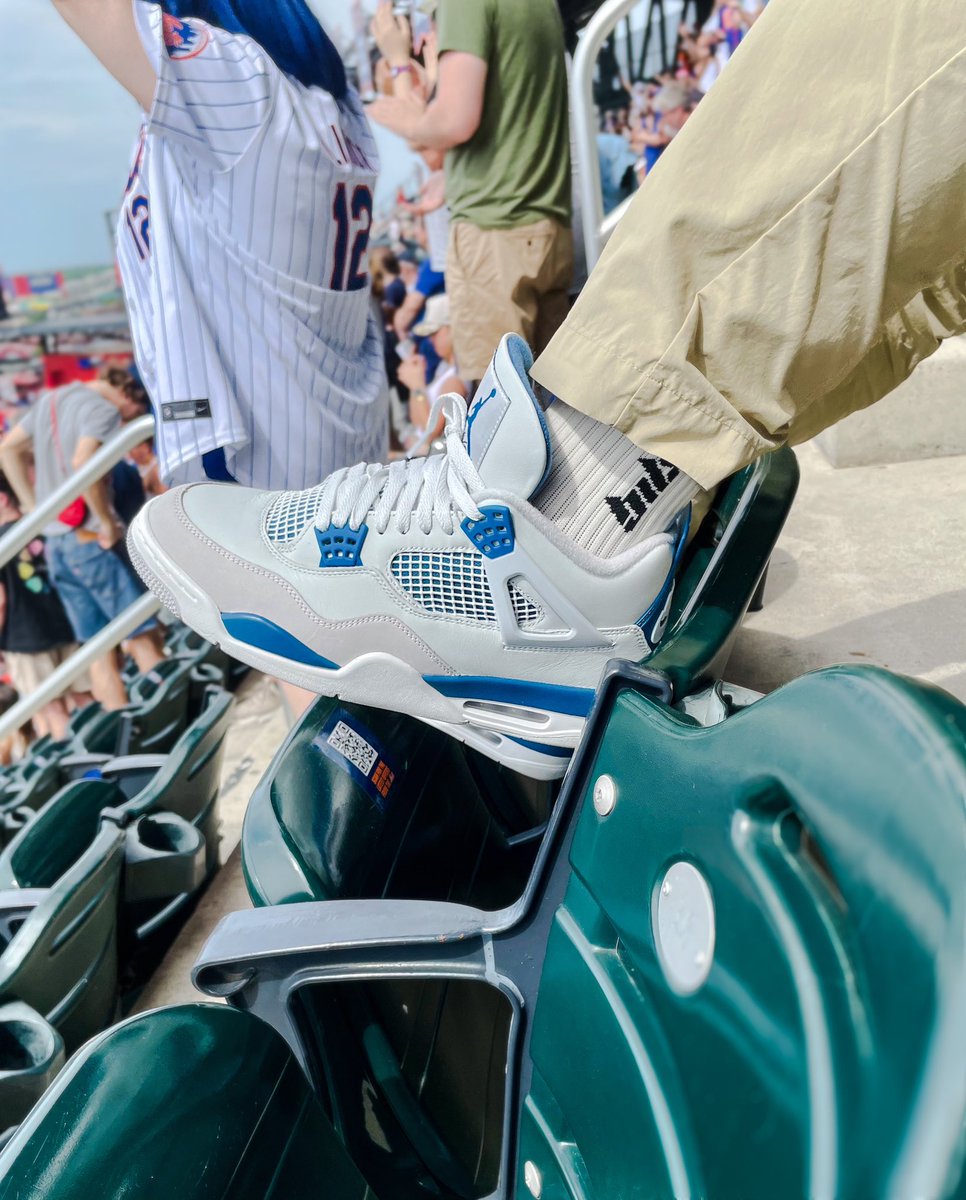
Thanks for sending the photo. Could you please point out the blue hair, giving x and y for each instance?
(286, 29)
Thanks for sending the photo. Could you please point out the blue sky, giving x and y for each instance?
(66, 135)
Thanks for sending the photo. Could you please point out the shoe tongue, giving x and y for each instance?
(505, 432)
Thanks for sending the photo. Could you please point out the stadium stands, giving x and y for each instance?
(111, 862)
(710, 985)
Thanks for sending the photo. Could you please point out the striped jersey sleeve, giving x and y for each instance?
(215, 92)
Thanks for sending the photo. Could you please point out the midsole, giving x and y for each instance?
(534, 712)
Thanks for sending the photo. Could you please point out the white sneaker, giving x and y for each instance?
(431, 587)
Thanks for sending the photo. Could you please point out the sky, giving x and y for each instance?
(67, 133)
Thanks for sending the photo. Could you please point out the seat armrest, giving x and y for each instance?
(340, 938)
(133, 762)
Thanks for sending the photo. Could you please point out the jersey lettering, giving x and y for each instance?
(138, 221)
(357, 215)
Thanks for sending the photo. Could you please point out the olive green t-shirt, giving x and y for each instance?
(515, 170)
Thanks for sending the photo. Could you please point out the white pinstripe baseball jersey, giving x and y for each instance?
(242, 248)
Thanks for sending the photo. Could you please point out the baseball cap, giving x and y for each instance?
(435, 316)
(672, 95)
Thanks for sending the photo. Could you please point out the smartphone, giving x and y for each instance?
(402, 8)
(406, 349)
(422, 28)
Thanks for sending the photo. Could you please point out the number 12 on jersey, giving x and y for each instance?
(349, 273)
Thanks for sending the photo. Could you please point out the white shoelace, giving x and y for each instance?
(431, 490)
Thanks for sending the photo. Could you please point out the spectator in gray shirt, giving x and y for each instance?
(63, 430)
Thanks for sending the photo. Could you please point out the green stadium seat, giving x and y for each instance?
(183, 784)
(108, 865)
(162, 703)
(60, 882)
(192, 1103)
(453, 824)
(737, 969)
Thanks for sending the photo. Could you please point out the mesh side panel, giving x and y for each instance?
(453, 584)
(524, 609)
(289, 514)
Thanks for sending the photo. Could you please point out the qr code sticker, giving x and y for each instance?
(353, 747)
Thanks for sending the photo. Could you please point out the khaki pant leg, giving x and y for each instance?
(553, 285)
(800, 247)
(505, 281)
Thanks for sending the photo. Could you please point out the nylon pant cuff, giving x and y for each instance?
(694, 428)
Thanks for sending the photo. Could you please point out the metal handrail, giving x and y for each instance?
(100, 644)
(33, 523)
(96, 467)
(599, 29)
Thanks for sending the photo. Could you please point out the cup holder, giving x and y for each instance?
(31, 1055)
(164, 857)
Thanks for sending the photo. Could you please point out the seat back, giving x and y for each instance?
(452, 825)
(427, 819)
(756, 983)
(199, 1102)
(188, 781)
(62, 960)
(158, 709)
(721, 570)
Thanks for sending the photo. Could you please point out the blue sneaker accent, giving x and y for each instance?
(573, 701)
(493, 536)
(341, 546)
(552, 751)
(653, 615)
(474, 413)
(266, 635)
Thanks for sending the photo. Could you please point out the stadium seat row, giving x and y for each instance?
(719, 962)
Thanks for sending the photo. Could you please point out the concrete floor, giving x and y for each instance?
(871, 568)
(258, 728)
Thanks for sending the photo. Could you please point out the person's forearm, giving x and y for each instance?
(14, 465)
(98, 501)
(426, 127)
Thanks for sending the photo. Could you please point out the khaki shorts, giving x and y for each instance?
(29, 671)
(506, 281)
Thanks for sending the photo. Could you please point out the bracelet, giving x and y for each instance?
(395, 72)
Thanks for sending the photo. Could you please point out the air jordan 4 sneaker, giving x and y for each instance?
(431, 586)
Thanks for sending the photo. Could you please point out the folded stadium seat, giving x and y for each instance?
(192, 1103)
(163, 702)
(112, 859)
(153, 719)
(31, 1056)
(364, 803)
(183, 784)
(187, 644)
(60, 881)
(738, 969)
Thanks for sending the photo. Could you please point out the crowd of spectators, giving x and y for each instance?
(636, 131)
(481, 245)
(485, 245)
(70, 582)
(488, 227)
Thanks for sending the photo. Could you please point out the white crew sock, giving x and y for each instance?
(603, 491)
